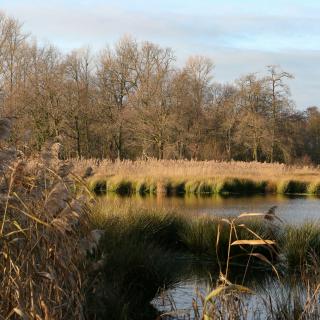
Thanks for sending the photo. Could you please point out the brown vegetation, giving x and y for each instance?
(131, 101)
(181, 176)
(43, 237)
(196, 169)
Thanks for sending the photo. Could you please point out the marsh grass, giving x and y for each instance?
(242, 186)
(223, 300)
(153, 249)
(167, 246)
(140, 257)
(297, 299)
(213, 186)
(206, 177)
(314, 188)
(99, 187)
(294, 187)
(301, 244)
(43, 226)
(293, 294)
(193, 234)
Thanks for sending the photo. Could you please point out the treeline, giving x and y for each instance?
(132, 101)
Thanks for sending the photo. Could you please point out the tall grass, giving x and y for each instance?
(301, 245)
(293, 295)
(151, 249)
(197, 169)
(43, 229)
(154, 248)
(200, 177)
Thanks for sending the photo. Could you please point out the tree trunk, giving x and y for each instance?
(161, 148)
(78, 137)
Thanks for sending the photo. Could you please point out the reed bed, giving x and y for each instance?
(172, 177)
(44, 236)
(195, 169)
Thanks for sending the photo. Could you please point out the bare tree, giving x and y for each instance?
(117, 77)
(279, 101)
(152, 100)
(79, 79)
(254, 126)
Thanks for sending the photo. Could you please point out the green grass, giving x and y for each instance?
(206, 187)
(314, 188)
(144, 250)
(141, 253)
(142, 188)
(242, 186)
(292, 187)
(301, 244)
(98, 186)
(132, 274)
(177, 187)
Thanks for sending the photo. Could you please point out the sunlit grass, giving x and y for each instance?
(172, 177)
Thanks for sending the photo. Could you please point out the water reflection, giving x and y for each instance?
(292, 209)
(286, 297)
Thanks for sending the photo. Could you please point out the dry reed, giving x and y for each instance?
(43, 227)
(182, 176)
(191, 169)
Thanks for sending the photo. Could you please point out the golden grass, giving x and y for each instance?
(192, 169)
(44, 238)
(182, 176)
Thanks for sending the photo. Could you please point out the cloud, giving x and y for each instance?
(100, 21)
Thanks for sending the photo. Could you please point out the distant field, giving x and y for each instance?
(182, 176)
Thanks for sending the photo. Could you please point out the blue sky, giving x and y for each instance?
(241, 36)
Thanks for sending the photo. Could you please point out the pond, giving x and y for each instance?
(177, 303)
(291, 209)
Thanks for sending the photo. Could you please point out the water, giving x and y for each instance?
(177, 302)
(293, 209)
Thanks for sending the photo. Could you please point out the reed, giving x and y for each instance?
(193, 169)
(43, 229)
(202, 177)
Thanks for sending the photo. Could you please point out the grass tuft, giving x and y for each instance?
(292, 187)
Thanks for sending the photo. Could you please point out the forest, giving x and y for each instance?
(132, 101)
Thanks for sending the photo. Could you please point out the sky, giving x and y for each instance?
(240, 36)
